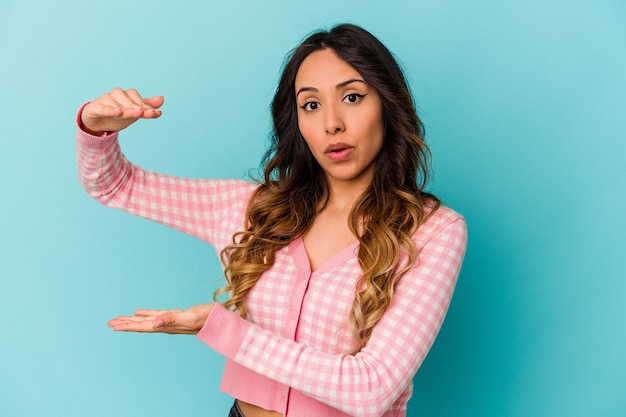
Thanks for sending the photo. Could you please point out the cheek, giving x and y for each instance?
(377, 128)
(372, 119)
(307, 133)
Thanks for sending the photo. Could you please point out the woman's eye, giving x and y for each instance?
(354, 97)
(310, 106)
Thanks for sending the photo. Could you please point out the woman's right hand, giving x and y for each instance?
(117, 110)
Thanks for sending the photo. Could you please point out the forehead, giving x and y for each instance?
(324, 67)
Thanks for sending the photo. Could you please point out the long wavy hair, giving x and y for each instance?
(295, 189)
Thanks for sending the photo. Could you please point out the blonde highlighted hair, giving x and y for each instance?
(295, 189)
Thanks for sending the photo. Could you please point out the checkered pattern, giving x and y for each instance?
(193, 206)
(288, 356)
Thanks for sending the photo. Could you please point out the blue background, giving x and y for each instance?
(524, 106)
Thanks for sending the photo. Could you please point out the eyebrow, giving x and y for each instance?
(338, 87)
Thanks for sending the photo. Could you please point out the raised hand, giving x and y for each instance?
(117, 110)
(188, 321)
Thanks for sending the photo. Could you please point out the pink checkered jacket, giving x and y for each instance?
(288, 356)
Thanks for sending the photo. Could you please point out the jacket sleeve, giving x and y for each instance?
(368, 382)
(198, 207)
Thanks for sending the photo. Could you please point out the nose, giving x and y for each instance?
(333, 120)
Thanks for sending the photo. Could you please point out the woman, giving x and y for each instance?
(339, 266)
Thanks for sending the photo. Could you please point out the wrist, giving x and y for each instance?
(83, 127)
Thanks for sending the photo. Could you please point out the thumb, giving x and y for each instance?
(155, 102)
(164, 320)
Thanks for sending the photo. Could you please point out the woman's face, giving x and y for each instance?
(340, 117)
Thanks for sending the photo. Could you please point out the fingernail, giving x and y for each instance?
(157, 324)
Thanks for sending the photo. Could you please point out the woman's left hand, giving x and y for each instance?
(188, 321)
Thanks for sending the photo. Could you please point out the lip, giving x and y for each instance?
(338, 152)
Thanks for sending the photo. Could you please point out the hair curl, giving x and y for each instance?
(286, 203)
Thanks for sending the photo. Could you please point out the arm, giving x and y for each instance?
(364, 384)
(367, 383)
(189, 205)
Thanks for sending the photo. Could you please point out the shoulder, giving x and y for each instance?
(443, 222)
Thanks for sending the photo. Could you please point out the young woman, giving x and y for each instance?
(339, 266)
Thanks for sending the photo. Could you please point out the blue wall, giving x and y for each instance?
(524, 104)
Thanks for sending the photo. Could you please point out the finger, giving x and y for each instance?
(155, 102)
(142, 110)
(138, 100)
(149, 106)
(151, 113)
(136, 318)
(112, 111)
(145, 326)
(118, 322)
(165, 320)
(150, 312)
(124, 320)
(123, 99)
(101, 108)
(97, 111)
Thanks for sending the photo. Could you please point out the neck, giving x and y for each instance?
(343, 194)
